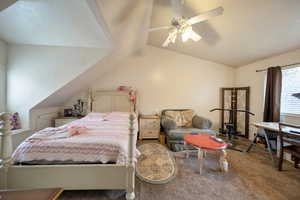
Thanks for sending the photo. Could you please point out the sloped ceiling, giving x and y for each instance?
(50, 43)
(246, 32)
(53, 23)
(127, 21)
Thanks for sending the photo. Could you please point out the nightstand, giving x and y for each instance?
(149, 126)
(64, 120)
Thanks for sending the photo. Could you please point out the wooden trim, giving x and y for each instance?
(283, 138)
(222, 106)
(57, 194)
(234, 106)
(234, 91)
(69, 177)
(247, 120)
(6, 148)
(288, 124)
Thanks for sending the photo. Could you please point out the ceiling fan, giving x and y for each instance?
(6, 3)
(182, 25)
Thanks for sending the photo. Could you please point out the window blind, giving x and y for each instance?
(290, 85)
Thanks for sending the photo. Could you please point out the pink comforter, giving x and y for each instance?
(96, 138)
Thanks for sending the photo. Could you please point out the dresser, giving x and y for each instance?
(149, 126)
(64, 120)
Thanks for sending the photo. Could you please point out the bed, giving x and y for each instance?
(99, 150)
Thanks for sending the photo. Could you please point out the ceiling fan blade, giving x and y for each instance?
(167, 41)
(159, 28)
(171, 38)
(177, 7)
(204, 16)
(195, 36)
(6, 3)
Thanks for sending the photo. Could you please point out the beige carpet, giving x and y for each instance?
(250, 176)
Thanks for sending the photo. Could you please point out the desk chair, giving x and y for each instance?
(289, 142)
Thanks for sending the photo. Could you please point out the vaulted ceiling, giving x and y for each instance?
(247, 31)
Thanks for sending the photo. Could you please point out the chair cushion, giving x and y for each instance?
(176, 116)
(201, 122)
(179, 133)
(168, 123)
(187, 116)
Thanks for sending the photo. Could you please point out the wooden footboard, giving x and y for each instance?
(75, 177)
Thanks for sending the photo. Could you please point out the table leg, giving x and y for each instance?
(268, 145)
(252, 143)
(201, 159)
(278, 147)
(223, 161)
(187, 154)
(204, 154)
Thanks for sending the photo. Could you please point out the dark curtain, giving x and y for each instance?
(273, 95)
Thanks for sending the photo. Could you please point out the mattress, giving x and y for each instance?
(96, 138)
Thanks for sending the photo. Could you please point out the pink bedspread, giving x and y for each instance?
(96, 138)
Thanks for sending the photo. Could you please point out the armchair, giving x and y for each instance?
(176, 133)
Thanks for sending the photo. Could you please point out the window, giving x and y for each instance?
(290, 86)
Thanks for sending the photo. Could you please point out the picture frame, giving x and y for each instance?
(68, 112)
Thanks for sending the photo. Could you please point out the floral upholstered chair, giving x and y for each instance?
(179, 122)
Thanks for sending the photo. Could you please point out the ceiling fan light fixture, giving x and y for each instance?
(185, 35)
(188, 33)
(182, 25)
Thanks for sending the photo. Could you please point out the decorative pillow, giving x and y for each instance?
(187, 117)
(176, 116)
(168, 123)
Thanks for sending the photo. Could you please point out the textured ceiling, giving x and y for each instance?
(52, 22)
(247, 31)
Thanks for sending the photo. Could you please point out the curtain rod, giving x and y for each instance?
(262, 70)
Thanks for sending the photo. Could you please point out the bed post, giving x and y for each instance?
(6, 148)
(90, 101)
(130, 164)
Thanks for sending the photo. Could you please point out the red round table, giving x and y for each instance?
(203, 142)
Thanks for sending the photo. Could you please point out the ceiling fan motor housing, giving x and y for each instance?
(179, 22)
(182, 25)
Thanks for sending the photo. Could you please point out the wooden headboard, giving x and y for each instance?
(110, 101)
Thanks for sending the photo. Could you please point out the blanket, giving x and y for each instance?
(96, 138)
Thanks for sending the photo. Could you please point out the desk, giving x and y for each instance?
(263, 127)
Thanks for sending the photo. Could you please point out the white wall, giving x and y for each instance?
(129, 34)
(3, 62)
(246, 76)
(35, 72)
(166, 79)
